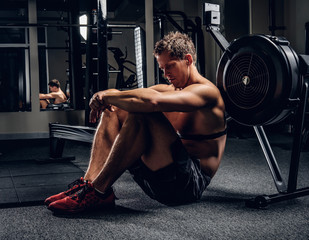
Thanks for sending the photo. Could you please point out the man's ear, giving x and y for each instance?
(189, 59)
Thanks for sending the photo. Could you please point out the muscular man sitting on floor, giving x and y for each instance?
(170, 137)
(56, 94)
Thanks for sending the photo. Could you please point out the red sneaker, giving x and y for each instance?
(85, 199)
(72, 188)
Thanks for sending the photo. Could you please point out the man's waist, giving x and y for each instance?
(201, 137)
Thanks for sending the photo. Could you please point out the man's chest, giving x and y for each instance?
(184, 122)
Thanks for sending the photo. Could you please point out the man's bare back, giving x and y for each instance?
(59, 96)
(56, 94)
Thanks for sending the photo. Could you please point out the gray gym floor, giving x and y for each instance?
(221, 213)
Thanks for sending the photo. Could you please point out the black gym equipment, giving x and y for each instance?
(259, 75)
(122, 62)
(58, 133)
(263, 81)
(58, 106)
(307, 38)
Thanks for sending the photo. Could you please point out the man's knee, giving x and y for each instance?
(136, 119)
(116, 115)
(43, 104)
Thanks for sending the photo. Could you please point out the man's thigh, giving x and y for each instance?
(160, 137)
(44, 103)
(180, 182)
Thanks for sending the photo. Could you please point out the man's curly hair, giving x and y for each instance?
(177, 44)
(54, 83)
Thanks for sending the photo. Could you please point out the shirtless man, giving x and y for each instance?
(55, 93)
(170, 137)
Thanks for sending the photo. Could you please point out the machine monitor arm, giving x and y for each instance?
(211, 19)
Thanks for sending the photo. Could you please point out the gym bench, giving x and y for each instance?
(58, 133)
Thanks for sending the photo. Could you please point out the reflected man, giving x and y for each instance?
(56, 94)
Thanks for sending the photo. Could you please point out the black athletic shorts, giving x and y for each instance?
(181, 182)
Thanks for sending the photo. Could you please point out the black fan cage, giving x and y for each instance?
(258, 76)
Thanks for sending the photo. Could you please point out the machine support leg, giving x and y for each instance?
(292, 191)
(298, 138)
(56, 147)
(270, 157)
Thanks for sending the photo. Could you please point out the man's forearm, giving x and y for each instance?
(42, 96)
(136, 100)
(47, 96)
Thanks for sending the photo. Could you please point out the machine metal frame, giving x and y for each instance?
(289, 190)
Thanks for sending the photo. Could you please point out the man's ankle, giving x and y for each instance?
(99, 194)
(103, 194)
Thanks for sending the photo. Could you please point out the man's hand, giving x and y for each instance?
(98, 105)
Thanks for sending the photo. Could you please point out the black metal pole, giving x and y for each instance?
(76, 84)
(307, 39)
(272, 17)
(91, 53)
(200, 49)
(103, 74)
(298, 125)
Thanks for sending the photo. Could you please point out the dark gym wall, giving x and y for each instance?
(236, 18)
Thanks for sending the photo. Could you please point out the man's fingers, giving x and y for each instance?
(97, 106)
(94, 105)
(99, 99)
(96, 101)
(93, 116)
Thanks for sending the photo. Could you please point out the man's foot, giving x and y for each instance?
(72, 188)
(86, 198)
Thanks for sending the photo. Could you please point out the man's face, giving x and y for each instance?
(175, 70)
(53, 89)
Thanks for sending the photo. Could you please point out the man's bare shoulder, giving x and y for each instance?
(163, 88)
(204, 85)
(207, 91)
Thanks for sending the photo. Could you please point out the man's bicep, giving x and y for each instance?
(181, 101)
(194, 99)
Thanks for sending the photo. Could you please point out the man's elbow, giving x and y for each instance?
(155, 106)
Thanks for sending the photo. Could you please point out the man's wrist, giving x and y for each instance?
(104, 99)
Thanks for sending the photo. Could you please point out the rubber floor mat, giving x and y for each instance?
(30, 182)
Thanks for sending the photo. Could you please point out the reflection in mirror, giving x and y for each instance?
(112, 47)
(126, 53)
(14, 58)
(53, 50)
(77, 49)
(14, 80)
(53, 64)
(63, 51)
